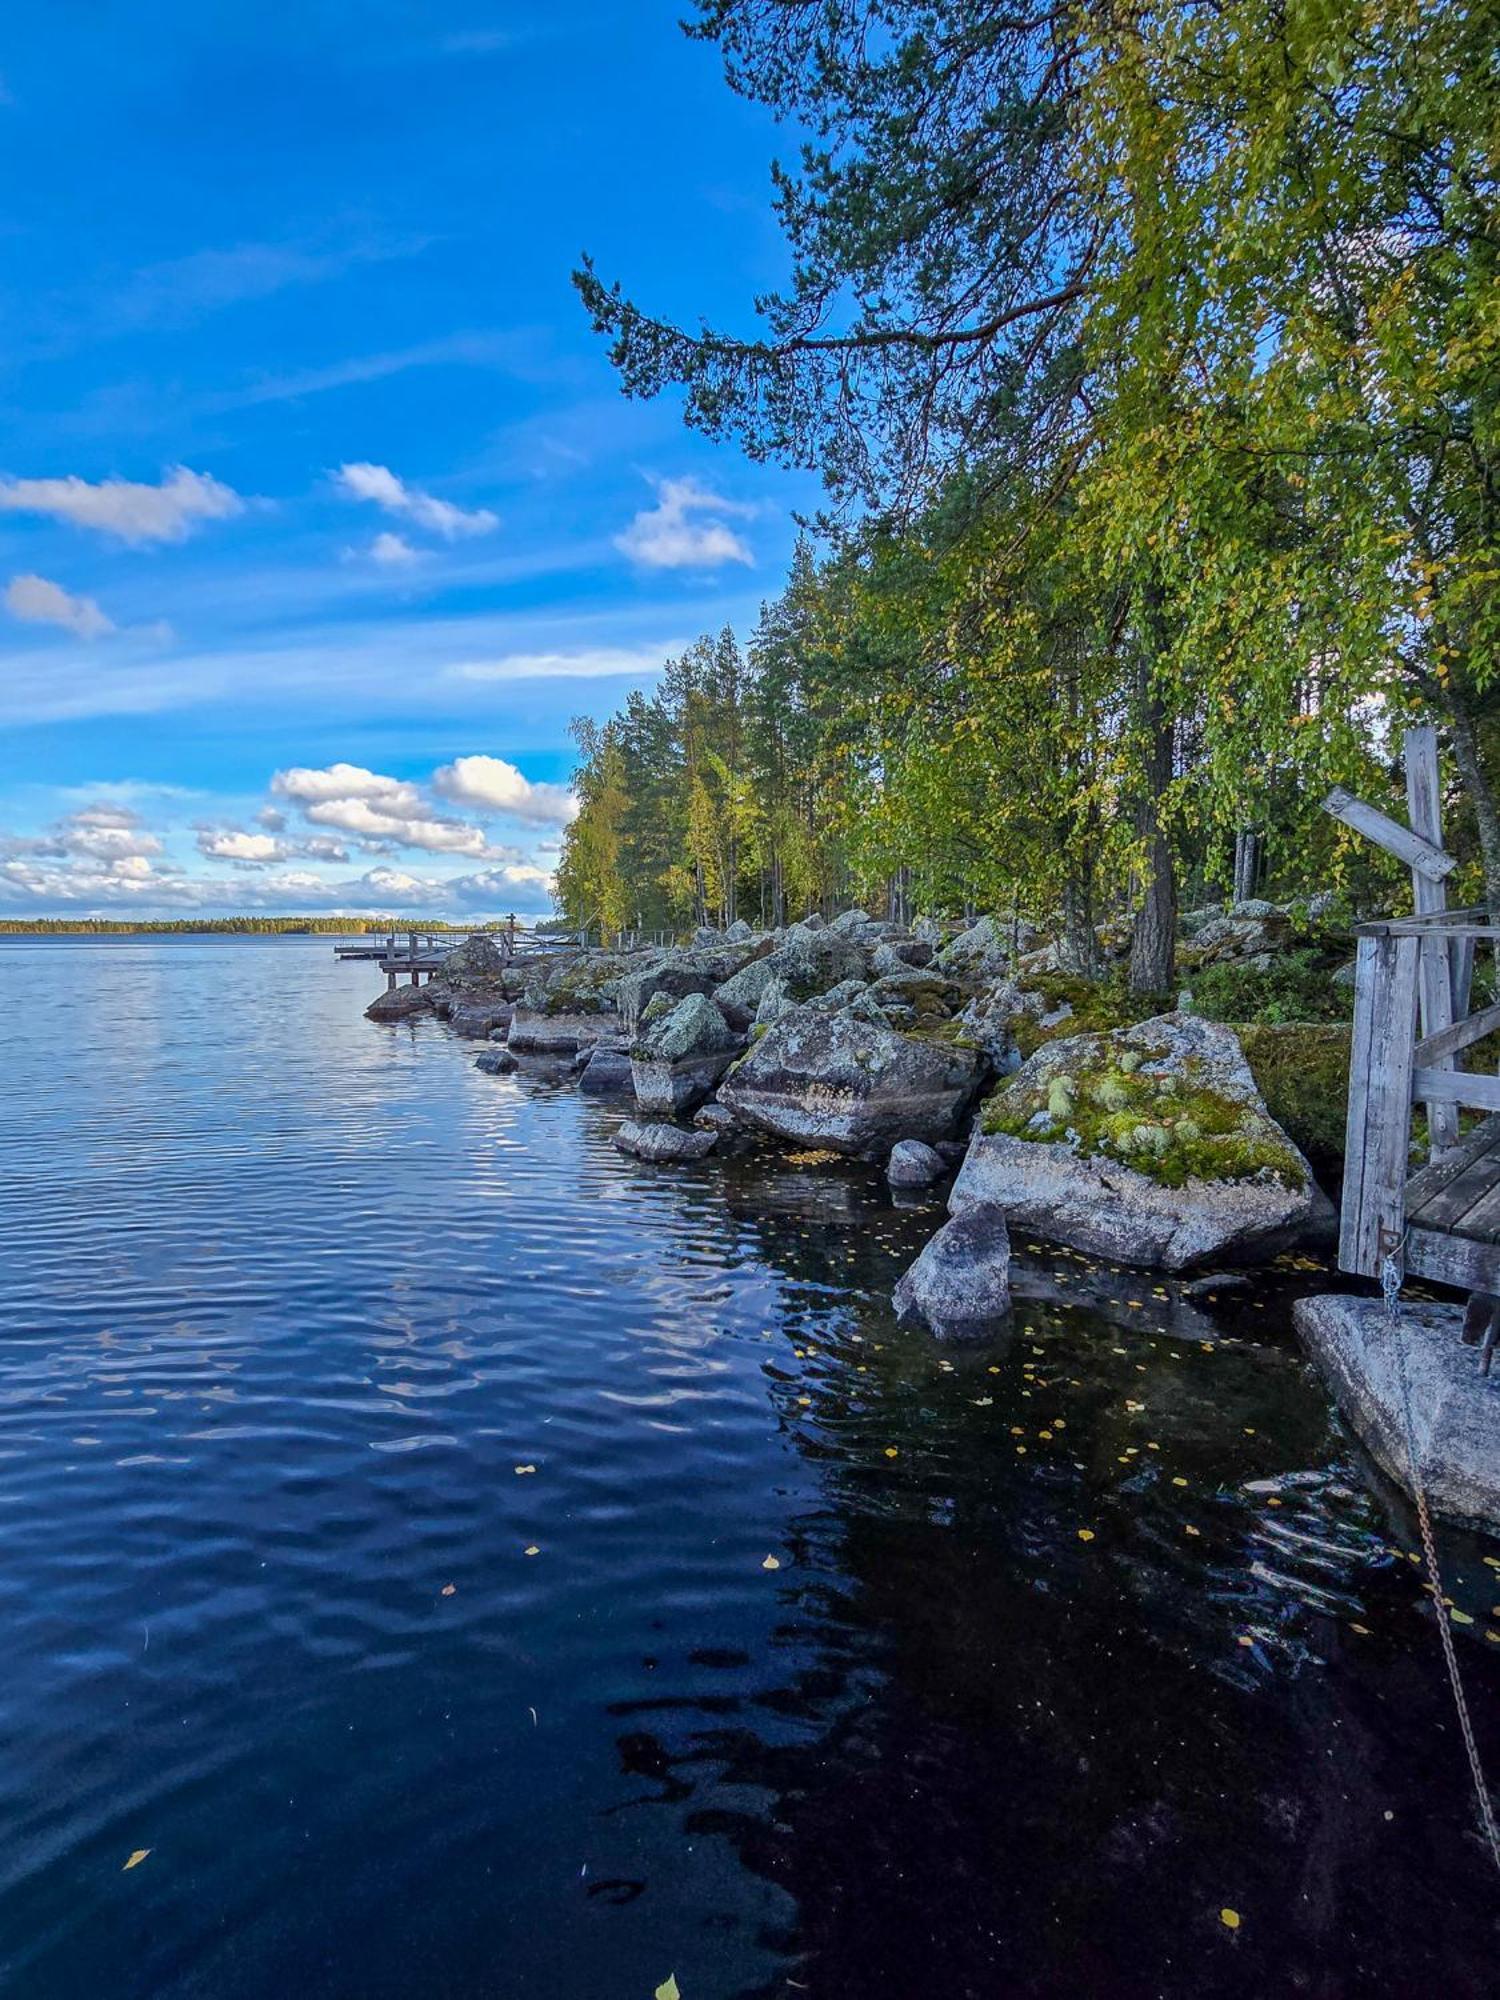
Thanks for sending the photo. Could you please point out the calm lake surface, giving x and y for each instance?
(390, 1478)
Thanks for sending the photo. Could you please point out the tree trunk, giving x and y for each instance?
(1477, 784)
(1079, 944)
(1153, 941)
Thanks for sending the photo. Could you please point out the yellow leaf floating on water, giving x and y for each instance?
(135, 1860)
(1085, 1534)
(771, 1562)
(524, 1468)
(532, 1551)
(669, 1989)
(449, 1588)
(1230, 1919)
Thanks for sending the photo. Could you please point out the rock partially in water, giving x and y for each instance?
(960, 1285)
(715, 1117)
(1455, 1409)
(534, 1032)
(400, 1004)
(853, 1085)
(913, 1164)
(496, 1062)
(1150, 1145)
(479, 1018)
(607, 1073)
(679, 1057)
(663, 1143)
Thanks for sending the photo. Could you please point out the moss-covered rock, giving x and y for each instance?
(1302, 1071)
(1150, 1143)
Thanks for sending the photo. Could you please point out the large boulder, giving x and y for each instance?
(917, 999)
(960, 1284)
(1453, 1406)
(676, 975)
(400, 1003)
(664, 1143)
(1150, 1145)
(678, 1057)
(854, 1085)
(475, 959)
(980, 952)
(1247, 930)
(738, 997)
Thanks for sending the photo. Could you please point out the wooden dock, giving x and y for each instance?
(414, 954)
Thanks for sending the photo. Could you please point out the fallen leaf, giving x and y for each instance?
(669, 1989)
(449, 1588)
(533, 1550)
(1085, 1534)
(135, 1860)
(771, 1562)
(524, 1468)
(1230, 1919)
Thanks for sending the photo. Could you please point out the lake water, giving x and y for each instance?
(390, 1481)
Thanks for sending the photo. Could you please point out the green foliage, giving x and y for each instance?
(1295, 986)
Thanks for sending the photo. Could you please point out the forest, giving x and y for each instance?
(1151, 358)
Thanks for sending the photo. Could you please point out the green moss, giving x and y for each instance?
(1172, 1128)
(1302, 1071)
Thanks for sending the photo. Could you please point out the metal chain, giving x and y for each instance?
(1390, 1286)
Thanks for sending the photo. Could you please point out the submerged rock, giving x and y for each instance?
(1455, 1409)
(496, 1062)
(680, 1056)
(913, 1164)
(1150, 1145)
(853, 1085)
(663, 1142)
(960, 1285)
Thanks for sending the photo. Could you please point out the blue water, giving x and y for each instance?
(388, 1476)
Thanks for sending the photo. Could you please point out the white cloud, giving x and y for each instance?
(231, 844)
(343, 781)
(378, 811)
(392, 551)
(588, 663)
(43, 602)
(492, 785)
(379, 485)
(684, 530)
(125, 508)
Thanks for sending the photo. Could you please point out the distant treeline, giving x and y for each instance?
(272, 926)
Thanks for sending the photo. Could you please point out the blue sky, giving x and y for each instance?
(320, 510)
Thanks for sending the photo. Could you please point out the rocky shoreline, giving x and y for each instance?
(931, 1052)
(962, 1056)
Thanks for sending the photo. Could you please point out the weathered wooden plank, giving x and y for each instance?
(1429, 898)
(1461, 950)
(1448, 1207)
(1402, 841)
(1462, 1035)
(1430, 1181)
(1481, 1219)
(1450, 1086)
(1453, 1260)
(1378, 1131)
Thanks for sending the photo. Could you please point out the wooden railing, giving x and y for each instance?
(1413, 986)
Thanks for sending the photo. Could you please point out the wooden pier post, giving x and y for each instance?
(1378, 1132)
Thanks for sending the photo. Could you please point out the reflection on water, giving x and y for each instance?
(470, 1563)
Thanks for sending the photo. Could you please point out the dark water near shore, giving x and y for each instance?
(388, 1475)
